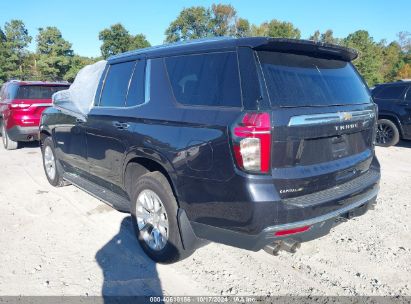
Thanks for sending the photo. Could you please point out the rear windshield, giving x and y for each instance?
(37, 92)
(299, 80)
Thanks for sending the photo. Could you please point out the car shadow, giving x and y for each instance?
(28, 144)
(404, 144)
(127, 271)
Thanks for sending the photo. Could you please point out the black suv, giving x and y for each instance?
(257, 143)
(394, 112)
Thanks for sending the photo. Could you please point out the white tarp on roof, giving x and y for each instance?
(79, 97)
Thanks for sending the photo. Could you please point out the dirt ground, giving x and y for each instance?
(62, 241)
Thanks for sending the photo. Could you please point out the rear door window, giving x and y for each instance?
(116, 84)
(391, 92)
(295, 80)
(210, 79)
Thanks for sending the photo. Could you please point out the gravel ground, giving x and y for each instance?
(61, 241)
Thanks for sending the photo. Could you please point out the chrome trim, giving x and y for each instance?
(367, 197)
(326, 118)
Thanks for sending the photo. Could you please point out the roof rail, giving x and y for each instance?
(166, 45)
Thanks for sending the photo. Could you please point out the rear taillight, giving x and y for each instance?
(19, 105)
(252, 142)
(292, 231)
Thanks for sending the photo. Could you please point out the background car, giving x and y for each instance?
(394, 112)
(21, 105)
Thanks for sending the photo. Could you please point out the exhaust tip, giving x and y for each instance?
(273, 249)
(290, 246)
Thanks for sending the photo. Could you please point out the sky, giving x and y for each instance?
(80, 21)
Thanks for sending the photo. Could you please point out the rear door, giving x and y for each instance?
(109, 124)
(323, 122)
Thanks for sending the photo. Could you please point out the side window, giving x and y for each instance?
(135, 95)
(391, 92)
(205, 79)
(116, 84)
(408, 97)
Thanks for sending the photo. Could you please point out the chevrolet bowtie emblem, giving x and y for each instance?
(346, 116)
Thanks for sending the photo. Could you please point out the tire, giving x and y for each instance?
(7, 142)
(387, 133)
(170, 250)
(51, 165)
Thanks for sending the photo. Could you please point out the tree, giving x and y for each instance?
(3, 54)
(243, 28)
(54, 53)
(370, 56)
(16, 41)
(276, 28)
(138, 41)
(404, 72)
(200, 22)
(404, 40)
(316, 36)
(116, 39)
(326, 37)
(76, 64)
(223, 20)
(191, 23)
(392, 59)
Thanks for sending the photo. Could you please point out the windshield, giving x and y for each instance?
(299, 80)
(37, 92)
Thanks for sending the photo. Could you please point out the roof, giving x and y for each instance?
(394, 83)
(258, 43)
(44, 83)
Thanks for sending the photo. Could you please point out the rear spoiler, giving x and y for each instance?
(317, 49)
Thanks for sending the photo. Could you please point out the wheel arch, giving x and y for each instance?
(152, 164)
(394, 119)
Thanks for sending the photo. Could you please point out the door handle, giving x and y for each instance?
(120, 125)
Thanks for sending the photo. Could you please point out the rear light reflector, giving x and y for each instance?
(252, 142)
(292, 231)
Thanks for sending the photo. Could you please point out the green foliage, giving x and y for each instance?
(3, 58)
(191, 23)
(243, 28)
(326, 37)
(223, 20)
(16, 41)
(76, 64)
(276, 28)
(116, 39)
(200, 22)
(54, 54)
(370, 57)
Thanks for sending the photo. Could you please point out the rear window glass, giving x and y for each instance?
(390, 92)
(299, 80)
(37, 92)
(205, 79)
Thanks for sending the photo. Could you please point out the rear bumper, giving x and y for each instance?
(319, 226)
(18, 133)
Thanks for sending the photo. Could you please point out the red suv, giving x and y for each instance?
(21, 105)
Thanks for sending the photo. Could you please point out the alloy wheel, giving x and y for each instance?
(385, 133)
(152, 219)
(49, 162)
